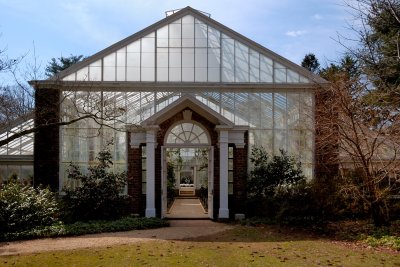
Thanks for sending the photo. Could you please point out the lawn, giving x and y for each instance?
(241, 246)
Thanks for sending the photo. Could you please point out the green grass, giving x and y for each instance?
(241, 246)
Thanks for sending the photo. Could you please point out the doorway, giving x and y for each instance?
(187, 182)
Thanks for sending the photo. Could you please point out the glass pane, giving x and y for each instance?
(293, 108)
(133, 74)
(228, 60)
(230, 152)
(175, 35)
(266, 70)
(241, 63)
(121, 57)
(187, 64)
(280, 73)
(213, 38)
(109, 73)
(162, 37)
(133, 59)
(200, 34)
(200, 64)
(133, 47)
(255, 110)
(175, 64)
(148, 44)
(144, 188)
(230, 189)
(95, 73)
(266, 110)
(121, 73)
(280, 141)
(162, 64)
(214, 64)
(188, 31)
(82, 74)
(254, 66)
(292, 77)
(230, 176)
(230, 164)
(280, 114)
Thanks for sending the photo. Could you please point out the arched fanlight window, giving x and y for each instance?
(187, 133)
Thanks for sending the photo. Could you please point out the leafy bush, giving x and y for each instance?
(274, 183)
(24, 207)
(100, 194)
(90, 227)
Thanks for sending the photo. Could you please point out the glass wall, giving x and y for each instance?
(282, 119)
(16, 157)
(187, 50)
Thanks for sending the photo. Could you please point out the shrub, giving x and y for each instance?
(100, 194)
(90, 227)
(273, 182)
(24, 207)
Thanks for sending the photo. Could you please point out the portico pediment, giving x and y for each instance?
(184, 102)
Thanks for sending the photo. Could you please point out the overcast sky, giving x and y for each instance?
(290, 28)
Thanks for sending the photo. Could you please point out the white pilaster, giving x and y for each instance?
(151, 144)
(223, 212)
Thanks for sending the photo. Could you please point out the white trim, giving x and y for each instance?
(223, 212)
(151, 135)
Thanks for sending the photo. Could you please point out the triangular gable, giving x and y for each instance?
(187, 101)
(188, 46)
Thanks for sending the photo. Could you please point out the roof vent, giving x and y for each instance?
(170, 12)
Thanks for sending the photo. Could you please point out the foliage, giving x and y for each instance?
(271, 177)
(386, 240)
(311, 63)
(275, 184)
(379, 45)
(170, 180)
(24, 207)
(57, 65)
(100, 194)
(91, 227)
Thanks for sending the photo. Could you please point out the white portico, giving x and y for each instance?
(187, 131)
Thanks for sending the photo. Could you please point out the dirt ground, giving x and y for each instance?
(179, 229)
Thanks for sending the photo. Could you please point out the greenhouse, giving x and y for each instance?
(180, 104)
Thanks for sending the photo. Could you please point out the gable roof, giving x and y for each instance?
(281, 66)
(187, 101)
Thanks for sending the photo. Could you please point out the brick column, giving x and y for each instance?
(47, 139)
(135, 175)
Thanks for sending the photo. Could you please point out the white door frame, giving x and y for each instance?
(164, 197)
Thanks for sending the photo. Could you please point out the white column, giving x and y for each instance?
(150, 172)
(223, 212)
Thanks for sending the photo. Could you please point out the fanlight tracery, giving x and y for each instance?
(187, 133)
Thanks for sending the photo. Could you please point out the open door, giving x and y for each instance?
(164, 196)
(210, 183)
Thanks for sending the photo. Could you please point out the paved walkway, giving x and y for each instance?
(187, 208)
(179, 230)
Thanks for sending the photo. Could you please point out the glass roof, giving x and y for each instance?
(20, 146)
(187, 50)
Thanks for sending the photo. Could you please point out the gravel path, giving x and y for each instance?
(179, 229)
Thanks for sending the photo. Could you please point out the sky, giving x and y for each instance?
(45, 29)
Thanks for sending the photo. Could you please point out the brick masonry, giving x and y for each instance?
(47, 139)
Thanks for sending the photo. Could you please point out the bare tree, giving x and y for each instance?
(365, 139)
